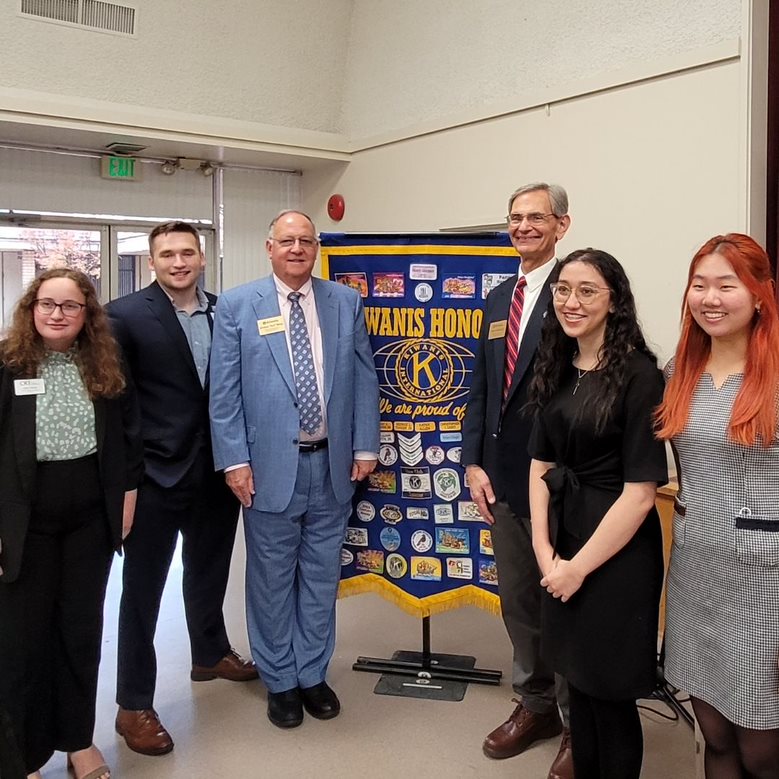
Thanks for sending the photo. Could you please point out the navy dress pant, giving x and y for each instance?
(205, 512)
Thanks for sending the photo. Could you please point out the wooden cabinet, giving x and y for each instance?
(665, 507)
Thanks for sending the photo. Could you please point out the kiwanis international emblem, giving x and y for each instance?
(427, 370)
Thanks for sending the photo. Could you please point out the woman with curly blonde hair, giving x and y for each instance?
(70, 462)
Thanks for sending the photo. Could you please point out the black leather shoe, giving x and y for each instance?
(320, 701)
(285, 709)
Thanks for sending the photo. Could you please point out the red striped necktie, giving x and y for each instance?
(512, 334)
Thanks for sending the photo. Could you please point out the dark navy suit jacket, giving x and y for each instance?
(493, 437)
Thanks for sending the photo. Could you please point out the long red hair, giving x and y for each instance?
(754, 414)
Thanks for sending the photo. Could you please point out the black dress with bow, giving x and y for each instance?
(604, 639)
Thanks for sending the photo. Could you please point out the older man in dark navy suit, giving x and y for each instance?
(495, 439)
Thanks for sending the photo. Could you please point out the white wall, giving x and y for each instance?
(642, 110)
(351, 69)
(39, 181)
(652, 170)
(267, 62)
(251, 200)
(414, 61)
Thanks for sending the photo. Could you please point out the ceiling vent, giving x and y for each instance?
(86, 14)
(123, 147)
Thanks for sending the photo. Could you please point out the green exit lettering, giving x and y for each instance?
(123, 168)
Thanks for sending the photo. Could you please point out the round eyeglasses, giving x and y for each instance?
(585, 293)
(69, 308)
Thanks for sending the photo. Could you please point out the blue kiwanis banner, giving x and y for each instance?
(416, 537)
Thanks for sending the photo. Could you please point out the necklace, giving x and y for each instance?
(580, 375)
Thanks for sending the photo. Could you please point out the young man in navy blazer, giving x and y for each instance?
(165, 333)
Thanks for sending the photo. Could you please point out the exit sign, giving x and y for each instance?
(120, 168)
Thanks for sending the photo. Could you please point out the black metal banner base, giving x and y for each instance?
(420, 685)
(430, 666)
(669, 696)
(442, 677)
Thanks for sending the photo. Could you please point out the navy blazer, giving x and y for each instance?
(119, 455)
(174, 405)
(493, 437)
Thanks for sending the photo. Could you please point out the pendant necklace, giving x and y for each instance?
(580, 375)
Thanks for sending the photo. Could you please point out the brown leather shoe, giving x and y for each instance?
(231, 667)
(143, 732)
(519, 731)
(562, 768)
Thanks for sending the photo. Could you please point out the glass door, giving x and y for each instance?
(26, 252)
(116, 258)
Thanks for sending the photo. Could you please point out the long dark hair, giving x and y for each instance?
(623, 335)
(97, 354)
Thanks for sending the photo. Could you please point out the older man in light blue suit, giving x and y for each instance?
(295, 422)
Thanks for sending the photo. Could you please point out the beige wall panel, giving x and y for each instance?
(37, 181)
(251, 200)
(652, 171)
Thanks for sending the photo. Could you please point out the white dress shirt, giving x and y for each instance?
(535, 283)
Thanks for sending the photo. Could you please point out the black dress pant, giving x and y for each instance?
(606, 737)
(52, 615)
(205, 512)
(520, 601)
(11, 762)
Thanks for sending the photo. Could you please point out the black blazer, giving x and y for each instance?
(119, 453)
(174, 405)
(493, 438)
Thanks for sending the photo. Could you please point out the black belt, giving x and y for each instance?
(312, 446)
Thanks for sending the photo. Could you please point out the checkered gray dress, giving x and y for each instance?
(722, 624)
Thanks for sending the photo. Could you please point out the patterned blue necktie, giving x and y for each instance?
(303, 365)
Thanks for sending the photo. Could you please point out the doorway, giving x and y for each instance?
(115, 257)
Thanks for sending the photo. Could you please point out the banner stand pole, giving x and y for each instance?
(415, 672)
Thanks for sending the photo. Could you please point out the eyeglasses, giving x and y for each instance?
(69, 308)
(288, 243)
(586, 293)
(533, 219)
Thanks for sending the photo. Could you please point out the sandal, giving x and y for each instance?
(102, 770)
(96, 773)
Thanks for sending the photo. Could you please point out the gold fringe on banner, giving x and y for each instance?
(420, 607)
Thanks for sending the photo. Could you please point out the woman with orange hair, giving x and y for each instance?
(720, 413)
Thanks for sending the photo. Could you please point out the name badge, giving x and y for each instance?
(274, 324)
(497, 329)
(29, 387)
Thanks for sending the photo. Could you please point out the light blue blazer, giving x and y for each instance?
(253, 403)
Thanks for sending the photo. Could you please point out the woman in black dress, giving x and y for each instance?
(596, 533)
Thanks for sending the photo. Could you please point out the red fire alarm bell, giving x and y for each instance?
(336, 207)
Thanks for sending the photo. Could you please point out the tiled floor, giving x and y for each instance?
(221, 729)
